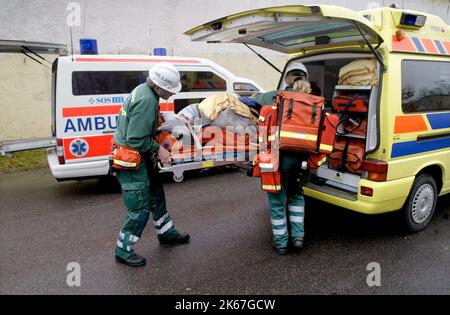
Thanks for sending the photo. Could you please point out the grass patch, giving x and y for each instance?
(23, 161)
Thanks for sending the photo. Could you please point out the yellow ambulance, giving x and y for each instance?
(406, 155)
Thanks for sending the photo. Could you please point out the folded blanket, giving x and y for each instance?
(359, 72)
(211, 106)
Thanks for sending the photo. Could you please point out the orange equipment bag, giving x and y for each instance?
(126, 158)
(328, 133)
(316, 160)
(268, 118)
(351, 103)
(271, 182)
(355, 127)
(267, 168)
(253, 169)
(348, 154)
(299, 119)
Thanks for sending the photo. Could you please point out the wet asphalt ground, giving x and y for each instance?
(45, 225)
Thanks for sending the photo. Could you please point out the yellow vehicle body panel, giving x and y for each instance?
(387, 196)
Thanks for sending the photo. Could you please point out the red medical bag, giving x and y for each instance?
(348, 154)
(299, 118)
(266, 166)
(267, 125)
(328, 133)
(316, 160)
(351, 103)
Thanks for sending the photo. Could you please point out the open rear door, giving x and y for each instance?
(291, 29)
(17, 46)
(33, 51)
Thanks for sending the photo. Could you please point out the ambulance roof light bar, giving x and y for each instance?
(408, 19)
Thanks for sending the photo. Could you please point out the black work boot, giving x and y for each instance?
(280, 250)
(179, 238)
(297, 243)
(134, 261)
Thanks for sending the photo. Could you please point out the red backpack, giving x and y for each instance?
(304, 126)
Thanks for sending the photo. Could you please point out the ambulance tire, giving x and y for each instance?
(421, 203)
(177, 179)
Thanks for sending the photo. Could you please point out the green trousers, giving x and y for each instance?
(287, 208)
(143, 194)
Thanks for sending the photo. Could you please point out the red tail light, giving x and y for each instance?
(376, 170)
(60, 151)
(367, 191)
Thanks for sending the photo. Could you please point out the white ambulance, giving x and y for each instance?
(88, 91)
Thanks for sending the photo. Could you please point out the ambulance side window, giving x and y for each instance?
(181, 103)
(106, 82)
(425, 86)
(201, 81)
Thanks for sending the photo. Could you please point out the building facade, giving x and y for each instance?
(129, 27)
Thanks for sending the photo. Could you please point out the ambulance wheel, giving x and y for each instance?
(421, 203)
(178, 179)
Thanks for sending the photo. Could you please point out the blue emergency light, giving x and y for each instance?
(159, 52)
(88, 46)
(413, 20)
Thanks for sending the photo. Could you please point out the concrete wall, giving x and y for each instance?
(128, 26)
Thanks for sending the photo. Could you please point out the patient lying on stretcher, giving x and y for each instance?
(219, 126)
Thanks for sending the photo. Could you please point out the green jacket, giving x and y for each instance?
(138, 120)
(267, 98)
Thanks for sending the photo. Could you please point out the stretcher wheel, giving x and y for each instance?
(178, 179)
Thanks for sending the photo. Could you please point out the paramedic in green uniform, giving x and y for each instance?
(142, 189)
(287, 208)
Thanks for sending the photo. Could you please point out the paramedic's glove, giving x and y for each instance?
(164, 156)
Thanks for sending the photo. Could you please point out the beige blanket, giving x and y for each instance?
(212, 106)
(359, 72)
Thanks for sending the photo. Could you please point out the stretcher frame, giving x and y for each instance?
(200, 161)
(179, 169)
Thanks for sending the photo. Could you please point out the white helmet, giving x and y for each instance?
(166, 76)
(296, 65)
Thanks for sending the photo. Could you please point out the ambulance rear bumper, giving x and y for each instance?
(76, 170)
(387, 196)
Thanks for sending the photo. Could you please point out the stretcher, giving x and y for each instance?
(178, 169)
(208, 151)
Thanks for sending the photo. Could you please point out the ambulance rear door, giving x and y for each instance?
(291, 29)
(89, 96)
